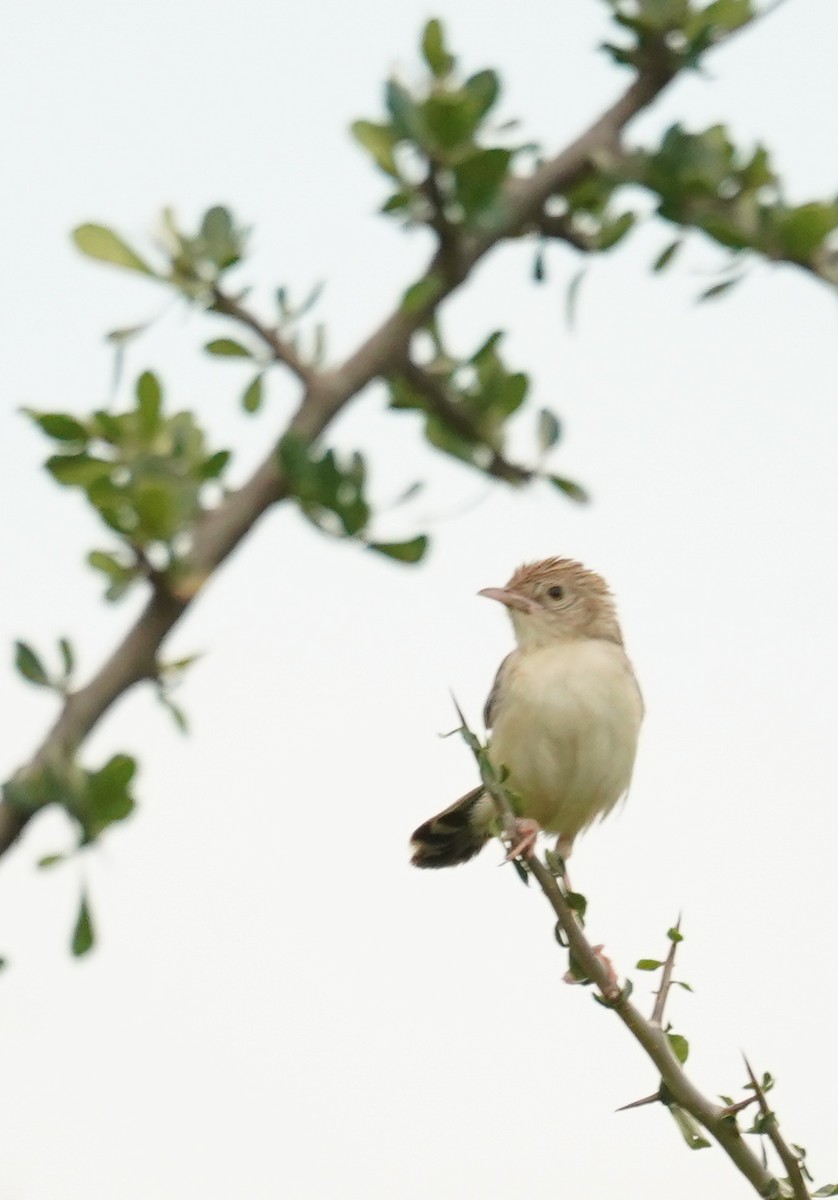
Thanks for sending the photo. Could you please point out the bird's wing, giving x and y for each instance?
(490, 709)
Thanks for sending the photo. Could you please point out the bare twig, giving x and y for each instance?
(280, 347)
(666, 979)
(771, 1126)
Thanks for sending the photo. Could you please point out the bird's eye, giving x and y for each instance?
(556, 592)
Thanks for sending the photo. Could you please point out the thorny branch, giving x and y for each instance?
(678, 1089)
(666, 980)
(772, 1129)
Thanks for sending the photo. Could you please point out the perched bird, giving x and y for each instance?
(564, 714)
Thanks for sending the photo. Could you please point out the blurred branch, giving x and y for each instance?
(440, 404)
(325, 394)
(281, 349)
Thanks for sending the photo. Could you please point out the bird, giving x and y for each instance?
(564, 716)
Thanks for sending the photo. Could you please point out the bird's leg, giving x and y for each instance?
(564, 845)
(526, 831)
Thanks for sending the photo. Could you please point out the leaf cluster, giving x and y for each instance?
(95, 800)
(195, 262)
(703, 181)
(143, 471)
(332, 494)
(672, 35)
(433, 145)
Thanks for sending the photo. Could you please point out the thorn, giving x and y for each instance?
(639, 1103)
(666, 979)
(732, 1109)
(459, 712)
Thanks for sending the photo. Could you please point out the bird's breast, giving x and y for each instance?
(566, 724)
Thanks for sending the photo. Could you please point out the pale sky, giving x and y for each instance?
(280, 1006)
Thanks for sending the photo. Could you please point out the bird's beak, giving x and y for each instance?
(510, 599)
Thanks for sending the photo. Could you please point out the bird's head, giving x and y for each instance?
(558, 600)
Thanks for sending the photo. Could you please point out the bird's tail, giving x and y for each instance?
(456, 834)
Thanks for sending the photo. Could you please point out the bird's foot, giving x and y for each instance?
(526, 833)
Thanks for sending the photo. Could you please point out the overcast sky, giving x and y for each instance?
(280, 1005)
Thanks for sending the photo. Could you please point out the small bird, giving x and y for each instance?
(564, 713)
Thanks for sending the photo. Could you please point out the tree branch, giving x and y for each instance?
(281, 349)
(718, 1122)
(786, 1155)
(440, 404)
(666, 980)
(219, 531)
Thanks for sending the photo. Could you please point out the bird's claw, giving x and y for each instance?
(526, 831)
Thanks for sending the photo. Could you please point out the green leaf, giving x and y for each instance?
(158, 514)
(449, 120)
(802, 230)
(222, 242)
(403, 111)
(252, 398)
(648, 964)
(666, 256)
(60, 426)
(441, 63)
(119, 337)
(177, 713)
(574, 490)
(213, 466)
(77, 470)
(107, 797)
(227, 348)
(83, 933)
(380, 141)
(408, 552)
(29, 665)
(549, 429)
(680, 1046)
(483, 90)
(50, 860)
(521, 871)
(555, 862)
(674, 934)
(67, 657)
(120, 577)
(478, 179)
(422, 294)
(614, 231)
(98, 242)
(149, 403)
(179, 665)
(681, 984)
(690, 1130)
(398, 202)
(828, 1189)
(572, 299)
(719, 289)
(578, 903)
